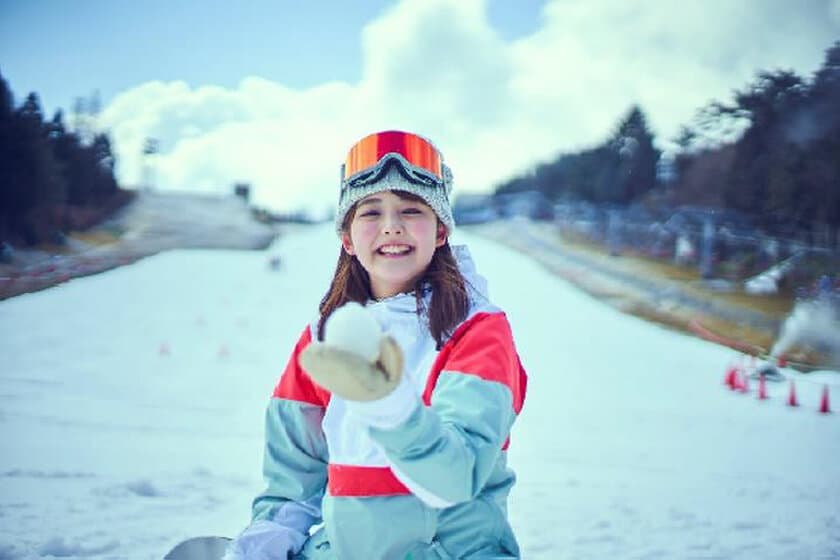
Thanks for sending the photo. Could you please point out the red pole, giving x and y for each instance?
(762, 388)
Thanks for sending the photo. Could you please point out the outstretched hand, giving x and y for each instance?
(349, 375)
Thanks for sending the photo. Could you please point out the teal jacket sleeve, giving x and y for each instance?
(295, 458)
(445, 453)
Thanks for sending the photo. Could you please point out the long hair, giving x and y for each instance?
(449, 303)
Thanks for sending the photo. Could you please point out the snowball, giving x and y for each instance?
(353, 328)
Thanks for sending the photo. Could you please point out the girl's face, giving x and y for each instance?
(394, 239)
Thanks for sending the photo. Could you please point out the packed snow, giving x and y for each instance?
(132, 416)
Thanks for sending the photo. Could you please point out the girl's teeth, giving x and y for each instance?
(394, 250)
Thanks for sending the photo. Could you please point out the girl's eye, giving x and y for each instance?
(369, 214)
(412, 211)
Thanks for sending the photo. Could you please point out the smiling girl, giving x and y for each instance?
(405, 456)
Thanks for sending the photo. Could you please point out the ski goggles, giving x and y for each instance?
(416, 158)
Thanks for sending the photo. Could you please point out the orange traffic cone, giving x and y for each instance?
(792, 400)
(781, 361)
(729, 378)
(762, 388)
(825, 408)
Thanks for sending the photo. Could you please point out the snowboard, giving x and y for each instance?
(213, 548)
(199, 548)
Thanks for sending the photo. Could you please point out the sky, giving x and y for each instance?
(274, 93)
(132, 435)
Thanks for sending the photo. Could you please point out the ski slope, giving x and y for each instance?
(131, 410)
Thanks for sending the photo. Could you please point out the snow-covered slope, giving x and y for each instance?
(131, 408)
(165, 220)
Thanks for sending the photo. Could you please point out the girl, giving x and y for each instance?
(405, 457)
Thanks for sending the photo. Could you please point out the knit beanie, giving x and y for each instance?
(437, 197)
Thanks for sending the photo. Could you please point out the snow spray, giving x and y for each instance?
(815, 323)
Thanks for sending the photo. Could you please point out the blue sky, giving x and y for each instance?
(63, 50)
(274, 93)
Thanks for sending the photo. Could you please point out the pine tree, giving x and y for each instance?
(8, 153)
(37, 183)
(635, 165)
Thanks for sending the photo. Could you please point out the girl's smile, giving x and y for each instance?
(394, 251)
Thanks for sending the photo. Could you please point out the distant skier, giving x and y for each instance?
(403, 455)
(275, 263)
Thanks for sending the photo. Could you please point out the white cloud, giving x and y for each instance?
(493, 107)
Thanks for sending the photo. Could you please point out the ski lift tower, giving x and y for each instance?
(150, 148)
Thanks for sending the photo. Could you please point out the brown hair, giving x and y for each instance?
(449, 304)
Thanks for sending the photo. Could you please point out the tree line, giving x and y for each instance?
(773, 154)
(618, 171)
(52, 180)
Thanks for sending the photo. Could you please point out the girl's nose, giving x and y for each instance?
(393, 224)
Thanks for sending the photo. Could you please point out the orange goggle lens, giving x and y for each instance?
(416, 150)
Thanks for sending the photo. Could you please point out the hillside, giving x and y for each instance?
(151, 223)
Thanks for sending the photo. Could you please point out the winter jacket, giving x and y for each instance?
(434, 485)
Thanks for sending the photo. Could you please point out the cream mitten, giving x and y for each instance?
(349, 375)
